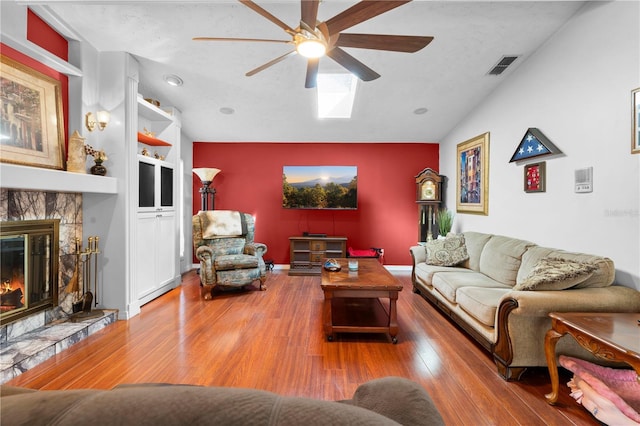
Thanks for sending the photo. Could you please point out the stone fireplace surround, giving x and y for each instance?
(31, 340)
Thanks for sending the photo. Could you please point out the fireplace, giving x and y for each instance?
(28, 267)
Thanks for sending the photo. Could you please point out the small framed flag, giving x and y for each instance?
(535, 177)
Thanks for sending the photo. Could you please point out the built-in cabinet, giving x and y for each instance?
(157, 263)
(155, 260)
(306, 254)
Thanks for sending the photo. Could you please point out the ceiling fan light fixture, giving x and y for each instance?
(311, 48)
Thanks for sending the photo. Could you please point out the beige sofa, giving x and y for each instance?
(482, 294)
(385, 401)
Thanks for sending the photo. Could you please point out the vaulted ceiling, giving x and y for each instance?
(448, 78)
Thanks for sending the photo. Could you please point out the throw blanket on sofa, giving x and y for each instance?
(223, 223)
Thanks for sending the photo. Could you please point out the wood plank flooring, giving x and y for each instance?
(273, 340)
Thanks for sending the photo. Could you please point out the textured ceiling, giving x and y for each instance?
(448, 77)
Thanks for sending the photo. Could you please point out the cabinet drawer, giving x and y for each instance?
(317, 257)
(318, 245)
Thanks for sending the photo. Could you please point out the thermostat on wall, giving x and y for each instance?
(584, 180)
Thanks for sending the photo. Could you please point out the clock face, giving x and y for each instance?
(428, 190)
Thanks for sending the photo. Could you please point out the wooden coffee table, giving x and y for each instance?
(352, 299)
(611, 336)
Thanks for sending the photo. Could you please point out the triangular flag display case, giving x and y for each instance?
(534, 144)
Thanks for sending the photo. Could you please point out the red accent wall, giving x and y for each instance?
(40, 33)
(387, 214)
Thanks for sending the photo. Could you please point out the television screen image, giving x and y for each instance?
(320, 187)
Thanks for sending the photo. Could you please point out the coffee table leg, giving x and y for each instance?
(326, 315)
(393, 316)
(550, 341)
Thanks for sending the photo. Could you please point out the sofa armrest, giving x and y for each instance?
(419, 254)
(603, 299)
(207, 270)
(522, 319)
(255, 249)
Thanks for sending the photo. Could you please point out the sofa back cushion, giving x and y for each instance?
(475, 242)
(501, 258)
(602, 277)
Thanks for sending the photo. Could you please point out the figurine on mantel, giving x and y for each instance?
(98, 157)
(77, 155)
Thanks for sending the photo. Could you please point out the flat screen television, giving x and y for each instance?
(320, 187)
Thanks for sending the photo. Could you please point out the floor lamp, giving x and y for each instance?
(206, 176)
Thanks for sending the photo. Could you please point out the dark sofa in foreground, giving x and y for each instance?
(386, 401)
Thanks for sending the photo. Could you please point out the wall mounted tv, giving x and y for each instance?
(320, 187)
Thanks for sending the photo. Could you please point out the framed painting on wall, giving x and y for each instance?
(635, 120)
(472, 193)
(31, 123)
(535, 177)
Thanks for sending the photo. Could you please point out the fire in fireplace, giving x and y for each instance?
(28, 267)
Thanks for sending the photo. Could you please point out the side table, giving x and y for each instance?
(611, 336)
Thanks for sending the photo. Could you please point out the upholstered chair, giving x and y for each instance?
(229, 258)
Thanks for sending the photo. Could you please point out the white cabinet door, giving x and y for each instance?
(146, 263)
(156, 260)
(166, 247)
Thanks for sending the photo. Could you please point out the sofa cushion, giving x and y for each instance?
(221, 246)
(481, 303)
(235, 261)
(552, 273)
(448, 283)
(449, 251)
(475, 242)
(425, 272)
(501, 258)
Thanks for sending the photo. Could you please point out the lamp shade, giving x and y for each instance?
(206, 174)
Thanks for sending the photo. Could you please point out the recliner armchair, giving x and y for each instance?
(229, 258)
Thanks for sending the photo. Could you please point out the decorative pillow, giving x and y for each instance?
(552, 273)
(619, 387)
(447, 252)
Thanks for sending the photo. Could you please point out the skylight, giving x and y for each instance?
(336, 92)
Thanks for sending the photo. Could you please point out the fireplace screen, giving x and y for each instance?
(28, 267)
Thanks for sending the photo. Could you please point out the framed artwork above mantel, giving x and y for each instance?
(32, 118)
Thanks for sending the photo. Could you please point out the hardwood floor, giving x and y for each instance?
(273, 340)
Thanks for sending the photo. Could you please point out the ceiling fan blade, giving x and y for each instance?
(309, 12)
(251, 5)
(361, 12)
(240, 39)
(356, 67)
(312, 73)
(268, 64)
(395, 43)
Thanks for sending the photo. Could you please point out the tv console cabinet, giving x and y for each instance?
(306, 254)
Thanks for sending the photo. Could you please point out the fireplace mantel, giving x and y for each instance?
(39, 179)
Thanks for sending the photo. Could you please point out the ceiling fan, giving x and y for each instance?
(314, 39)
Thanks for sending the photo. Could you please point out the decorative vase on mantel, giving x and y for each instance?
(98, 168)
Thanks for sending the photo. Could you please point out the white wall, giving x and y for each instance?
(577, 90)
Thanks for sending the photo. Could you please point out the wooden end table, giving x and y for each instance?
(352, 299)
(611, 336)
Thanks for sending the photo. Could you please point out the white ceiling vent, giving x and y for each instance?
(502, 65)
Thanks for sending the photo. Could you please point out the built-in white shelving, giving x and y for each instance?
(40, 179)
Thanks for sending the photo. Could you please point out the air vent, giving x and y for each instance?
(502, 65)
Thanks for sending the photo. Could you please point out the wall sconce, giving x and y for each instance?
(206, 176)
(101, 119)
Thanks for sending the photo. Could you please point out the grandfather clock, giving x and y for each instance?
(428, 198)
